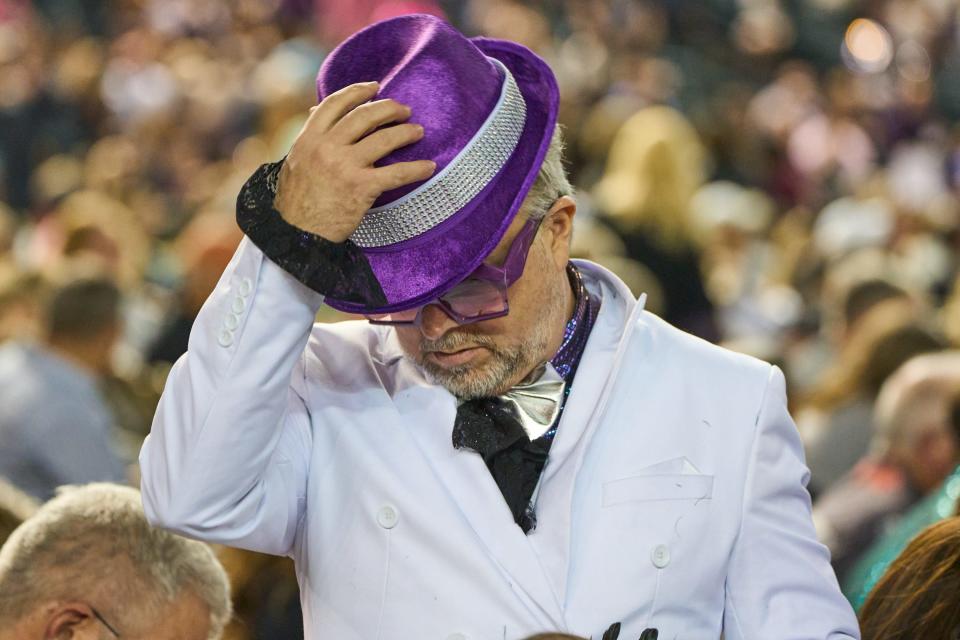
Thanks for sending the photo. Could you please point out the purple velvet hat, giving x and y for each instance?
(488, 109)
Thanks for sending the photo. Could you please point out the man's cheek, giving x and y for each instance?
(410, 344)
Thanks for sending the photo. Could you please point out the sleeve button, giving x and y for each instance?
(225, 338)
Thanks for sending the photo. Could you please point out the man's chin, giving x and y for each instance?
(466, 382)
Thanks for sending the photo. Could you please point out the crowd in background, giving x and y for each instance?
(780, 177)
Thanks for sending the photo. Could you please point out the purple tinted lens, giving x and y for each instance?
(473, 297)
(480, 297)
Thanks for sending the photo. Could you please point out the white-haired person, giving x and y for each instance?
(914, 449)
(88, 566)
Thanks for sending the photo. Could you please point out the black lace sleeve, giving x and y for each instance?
(339, 270)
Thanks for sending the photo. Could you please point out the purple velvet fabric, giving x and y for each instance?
(419, 61)
(451, 87)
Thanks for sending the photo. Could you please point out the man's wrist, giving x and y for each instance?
(336, 269)
(298, 215)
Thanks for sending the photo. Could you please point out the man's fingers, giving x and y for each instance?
(380, 143)
(401, 173)
(338, 104)
(367, 117)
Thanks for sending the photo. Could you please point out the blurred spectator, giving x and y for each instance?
(266, 596)
(655, 166)
(21, 296)
(87, 565)
(731, 224)
(865, 296)
(15, 507)
(836, 421)
(54, 425)
(932, 389)
(913, 450)
(917, 596)
(205, 247)
(937, 505)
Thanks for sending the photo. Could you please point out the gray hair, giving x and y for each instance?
(96, 530)
(918, 394)
(552, 181)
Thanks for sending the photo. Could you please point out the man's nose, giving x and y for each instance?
(434, 322)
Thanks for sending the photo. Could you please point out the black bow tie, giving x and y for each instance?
(507, 431)
(492, 428)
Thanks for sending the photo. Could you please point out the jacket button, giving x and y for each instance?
(457, 636)
(660, 556)
(387, 517)
(225, 338)
(239, 305)
(232, 321)
(246, 286)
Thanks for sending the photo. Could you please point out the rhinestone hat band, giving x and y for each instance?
(458, 183)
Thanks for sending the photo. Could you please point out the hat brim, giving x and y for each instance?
(418, 270)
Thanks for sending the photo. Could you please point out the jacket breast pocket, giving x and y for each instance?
(660, 487)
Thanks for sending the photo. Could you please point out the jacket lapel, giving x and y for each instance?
(619, 312)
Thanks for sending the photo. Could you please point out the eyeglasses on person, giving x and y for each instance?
(483, 295)
(103, 621)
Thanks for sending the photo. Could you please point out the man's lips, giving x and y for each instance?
(455, 358)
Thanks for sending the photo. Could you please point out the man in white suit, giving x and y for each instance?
(508, 444)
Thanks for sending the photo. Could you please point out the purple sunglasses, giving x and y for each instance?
(483, 295)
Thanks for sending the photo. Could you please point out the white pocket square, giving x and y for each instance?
(676, 479)
(675, 466)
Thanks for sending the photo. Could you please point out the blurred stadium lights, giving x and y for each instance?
(867, 46)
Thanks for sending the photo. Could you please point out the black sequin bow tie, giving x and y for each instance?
(507, 433)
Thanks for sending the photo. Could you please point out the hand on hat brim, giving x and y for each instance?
(328, 180)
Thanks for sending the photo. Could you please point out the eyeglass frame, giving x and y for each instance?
(103, 621)
(501, 277)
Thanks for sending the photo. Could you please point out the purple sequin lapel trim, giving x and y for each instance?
(575, 337)
(578, 328)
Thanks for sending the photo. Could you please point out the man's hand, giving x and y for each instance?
(328, 180)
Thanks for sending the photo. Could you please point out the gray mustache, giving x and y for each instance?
(455, 341)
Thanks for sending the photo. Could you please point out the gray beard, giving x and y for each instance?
(494, 377)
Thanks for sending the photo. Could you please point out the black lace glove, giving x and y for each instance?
(335, 269)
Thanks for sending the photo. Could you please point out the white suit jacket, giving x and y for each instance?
(674, 496)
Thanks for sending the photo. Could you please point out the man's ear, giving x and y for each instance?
(71, 621)
(559, 219)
